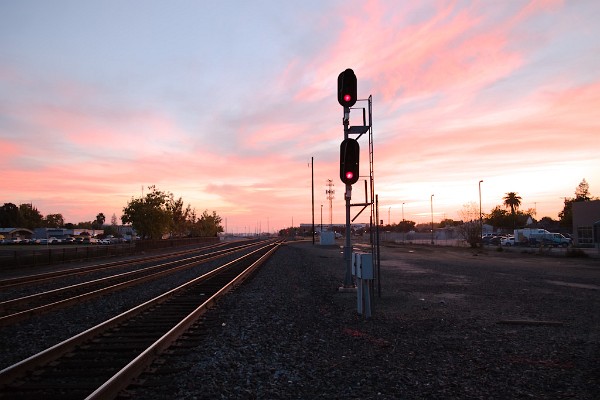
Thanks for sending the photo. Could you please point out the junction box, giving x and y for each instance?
(362, 270)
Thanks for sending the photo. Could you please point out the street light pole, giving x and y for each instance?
(312, 182)
(431, 199)
(480, 215)
(403, 225)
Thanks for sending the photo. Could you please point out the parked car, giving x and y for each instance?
(487, 238)
(495, 241)
(508, 241)
(69, 240)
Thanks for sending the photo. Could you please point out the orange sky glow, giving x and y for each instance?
(224, 105)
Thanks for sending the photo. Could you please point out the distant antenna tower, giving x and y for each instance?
(330, 192)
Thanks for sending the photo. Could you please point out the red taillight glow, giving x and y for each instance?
(347, 97)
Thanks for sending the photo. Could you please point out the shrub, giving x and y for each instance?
(576, 253)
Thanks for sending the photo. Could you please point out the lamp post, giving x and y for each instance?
(389, 212)
(312, 184)
(480, 215)
(403, 223)
(431, 199)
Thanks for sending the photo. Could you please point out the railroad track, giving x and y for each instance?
(103, 360)
(32, 279)
(18, 309)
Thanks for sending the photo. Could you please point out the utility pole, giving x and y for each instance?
(480, 214)
(330, 192)
(312, 181)
(431, 199)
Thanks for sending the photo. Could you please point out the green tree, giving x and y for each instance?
(111, 229)
(448, 223)
(498, 217)
(150, 216)
(181, 217)
(582, 193)
(100, 218)
(31, 217)
(512, 201)
(54, 221)
(406, 226)
(207, 225)
(10, 216)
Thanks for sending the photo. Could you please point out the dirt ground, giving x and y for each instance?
(451, 323)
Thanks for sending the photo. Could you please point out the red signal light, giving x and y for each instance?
(349, 157)
(346, 88)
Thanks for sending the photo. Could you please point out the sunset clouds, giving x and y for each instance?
(224, 105)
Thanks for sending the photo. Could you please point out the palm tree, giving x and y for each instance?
(100, 218)
(512, 201)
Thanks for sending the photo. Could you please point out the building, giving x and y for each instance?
(334, 227)
(20, 233)
(586, 223)
(61, 233)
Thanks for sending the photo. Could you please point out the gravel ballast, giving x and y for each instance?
(450, 323)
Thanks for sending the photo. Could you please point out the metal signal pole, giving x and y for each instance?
(347, 195)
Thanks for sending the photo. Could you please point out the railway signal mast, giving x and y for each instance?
(349, 162)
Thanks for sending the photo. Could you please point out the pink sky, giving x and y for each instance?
(226, 107)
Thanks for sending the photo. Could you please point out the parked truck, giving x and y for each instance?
(536, 237)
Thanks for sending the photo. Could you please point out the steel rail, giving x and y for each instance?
(20, 315)
(7, 303)
(36, 278)
(119, 381)
(52, 353)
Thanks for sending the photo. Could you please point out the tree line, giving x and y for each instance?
(159, 213)
(152, 216)
(505, 217)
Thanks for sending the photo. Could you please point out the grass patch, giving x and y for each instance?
(576, 253)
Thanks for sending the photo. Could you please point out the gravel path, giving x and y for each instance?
(450, 324)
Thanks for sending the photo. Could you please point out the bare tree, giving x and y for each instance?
(470, 229)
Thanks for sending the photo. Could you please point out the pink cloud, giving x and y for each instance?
(398, 59)
(8, 150)
(431, 71)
